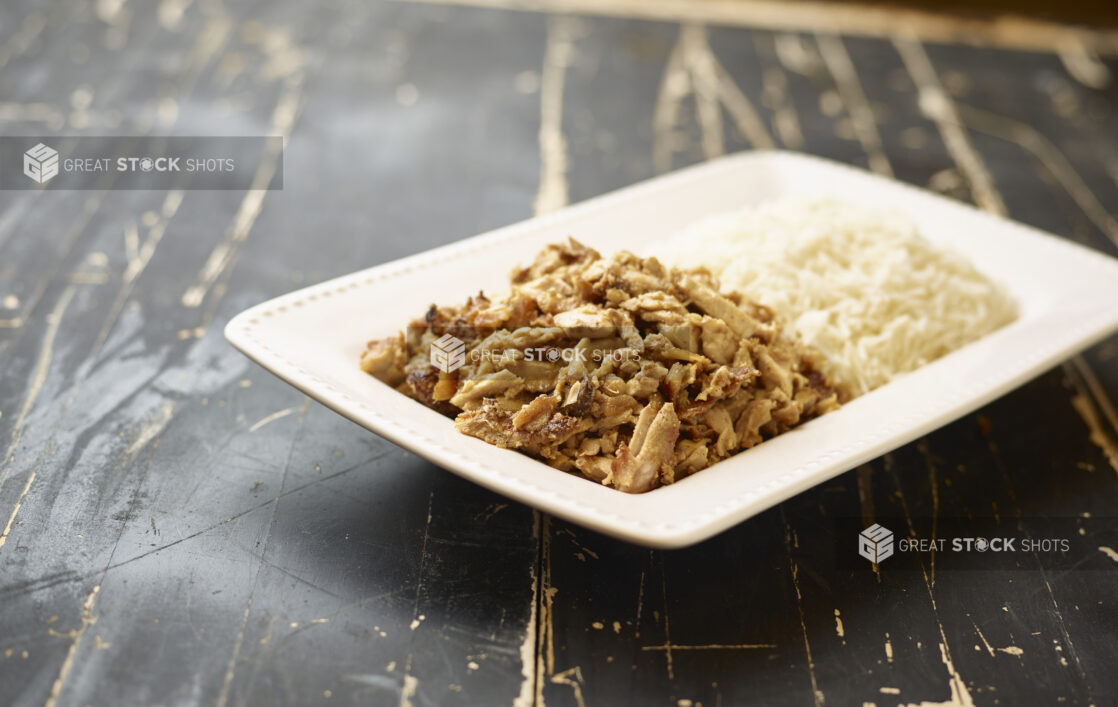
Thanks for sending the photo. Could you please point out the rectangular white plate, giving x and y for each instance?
(313, 338)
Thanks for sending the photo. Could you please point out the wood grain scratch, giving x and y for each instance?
(693, 69)
(140, 255)
(709, 647)
(699, 60)
(528, 645)
(1084, 65)
(794, 569)
(150, 430)
(640, 604)
(960, 694)
(1095, 433)
(230, 669)
(937, 107)
(982, 637)
(407, 690)
(38, 378)
(410, 679)
(545, 630)
(739, 107)
(572, 678)
(277, 415)
(933, 490)
(554, 192)
(864, 476)
(224, 255)
(675, 85)
(774, 95)
(87, 620)
(817, 694)
(837, 61)
(667, 620)
(19, 502)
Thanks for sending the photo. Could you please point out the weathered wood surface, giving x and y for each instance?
(181, 528)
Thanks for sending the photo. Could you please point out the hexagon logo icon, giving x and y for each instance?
(40, 163)
(875, 543)
(448, 353)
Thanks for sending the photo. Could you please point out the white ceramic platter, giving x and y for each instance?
(313, 339)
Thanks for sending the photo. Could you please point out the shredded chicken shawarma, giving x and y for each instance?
(620, 370)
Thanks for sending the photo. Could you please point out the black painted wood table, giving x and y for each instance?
(181, 528)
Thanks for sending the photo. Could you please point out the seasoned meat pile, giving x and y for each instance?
(617, 369)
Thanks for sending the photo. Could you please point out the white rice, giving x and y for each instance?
(861, 286)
